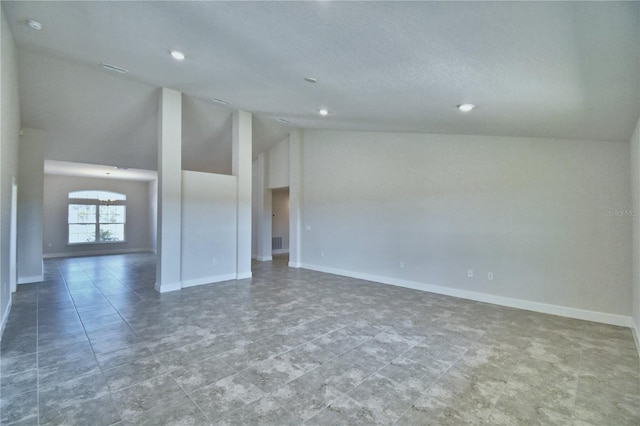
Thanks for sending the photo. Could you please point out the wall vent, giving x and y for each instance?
(276, 243)
(114, 68)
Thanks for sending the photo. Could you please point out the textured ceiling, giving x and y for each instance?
(536, 69)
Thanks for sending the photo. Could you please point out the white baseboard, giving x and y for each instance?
(264, 258)
(32, 279)
(5, 317)
(564, 311)
(208, 280)
(243, 275)
(96, 253)
(280, 251)
(296, 265)
(167, 287)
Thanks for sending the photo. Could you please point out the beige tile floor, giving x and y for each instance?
(95, 344)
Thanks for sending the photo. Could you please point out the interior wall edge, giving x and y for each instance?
(5, 317)
(636, 336)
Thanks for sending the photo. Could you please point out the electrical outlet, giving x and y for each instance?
(402, 264)
(215, 261)
(308, 227)
(490, 276)
(470, 273)
(321, 254)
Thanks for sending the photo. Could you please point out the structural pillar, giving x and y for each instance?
(265, 217)
(295, 198)
(169, 218)
(30, 205)
(242, 164)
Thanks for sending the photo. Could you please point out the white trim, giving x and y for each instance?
(244, 275)
(565, 311)
(636, 335)
(208, 280)
(264, 258)
(5, 318)
(280, 251)
(295, 265)
(167, 287)
(32, 279)
(97, 252)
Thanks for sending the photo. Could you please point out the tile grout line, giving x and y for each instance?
(579, 370)
(113, 401)
(266, 308)
(522, 353)
(346, 394)
(73, 300)
(453, 364)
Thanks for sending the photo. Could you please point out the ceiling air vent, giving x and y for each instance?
(114, 68)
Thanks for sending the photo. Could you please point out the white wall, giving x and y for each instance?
(254, 208)
(635, 196)
(279, 165)
(90, 115)
(242, 169)
(280, 220)
(9, 136)
(169, 211)
(56, 190)
(208, 228)
(532, 211)
(206, 136)
(153, 214)
(30, 205)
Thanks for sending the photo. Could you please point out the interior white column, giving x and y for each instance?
(30, 205)
(242, 141)
(169, 192)
(263, 200)
(295, 198)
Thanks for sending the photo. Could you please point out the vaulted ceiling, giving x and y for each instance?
(535, 69)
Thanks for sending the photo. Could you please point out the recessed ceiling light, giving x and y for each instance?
(114, 68)
(108, 173)
(282, 120)
(178, 55)
(311, 80)
(220, 101)
(466, 107)
(323, 112)
(34, 24)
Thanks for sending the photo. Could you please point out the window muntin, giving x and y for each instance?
(96, 217)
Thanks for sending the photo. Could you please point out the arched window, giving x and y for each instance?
(96, 217)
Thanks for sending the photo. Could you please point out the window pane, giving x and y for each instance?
(112, 214)
(98, 195)
(88, 195)
(112, 232)
(81, 213)
(82, 233)
(110, 196)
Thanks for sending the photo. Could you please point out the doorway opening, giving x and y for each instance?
(280, 224)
